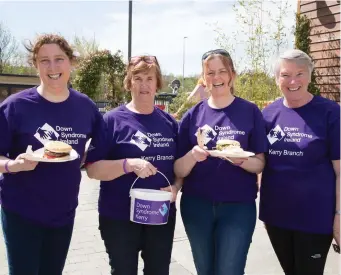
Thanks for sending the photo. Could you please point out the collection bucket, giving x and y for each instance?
(149, 206)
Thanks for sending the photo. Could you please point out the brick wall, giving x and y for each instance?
(325, 43)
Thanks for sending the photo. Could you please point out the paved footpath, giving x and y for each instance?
(87, 255)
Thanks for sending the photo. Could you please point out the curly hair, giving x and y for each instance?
(33, 48)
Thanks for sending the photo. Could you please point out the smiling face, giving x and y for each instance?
(144, 86)
(293, 79)
(218, 76)
(54, 66)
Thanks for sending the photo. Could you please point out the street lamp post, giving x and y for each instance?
(130, 27)
(183, 61)
(0, 61)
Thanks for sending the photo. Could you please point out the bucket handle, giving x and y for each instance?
(157, 172)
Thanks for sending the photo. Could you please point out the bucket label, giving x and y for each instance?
(151, 212)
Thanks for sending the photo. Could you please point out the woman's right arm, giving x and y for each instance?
(107, 170)
(18, 165)
(188, 155)
(183, 166)
(7, 119)
(193, 96)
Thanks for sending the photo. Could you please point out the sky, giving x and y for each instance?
(159, 26)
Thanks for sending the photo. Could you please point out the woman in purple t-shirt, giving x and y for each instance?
(300, 189)
(218, 202)
(38, 201)
(140, 140)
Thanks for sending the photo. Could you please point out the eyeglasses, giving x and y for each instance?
(146, 58)
(217, 51)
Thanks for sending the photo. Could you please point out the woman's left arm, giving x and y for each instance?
(176, 186)
(336, 227)
(253, 164)
(257, 143)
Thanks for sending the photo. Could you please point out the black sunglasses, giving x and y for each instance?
(217, 51)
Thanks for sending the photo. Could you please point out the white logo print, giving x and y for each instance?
(276, 134)
(141, 140)
(210, 134)
(46, 133)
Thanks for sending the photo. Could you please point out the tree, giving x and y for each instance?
(85, 47)
(181, 98)
(102, 64)
(261, 28)
(280, 31)
(302, 42)
(8, 47)
(261, 85)
(250, 16)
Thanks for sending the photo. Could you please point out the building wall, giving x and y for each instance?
(325, 43)
(10, 84)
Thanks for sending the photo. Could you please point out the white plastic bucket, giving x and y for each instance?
(149, 206)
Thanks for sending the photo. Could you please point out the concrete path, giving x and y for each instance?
(87, 255)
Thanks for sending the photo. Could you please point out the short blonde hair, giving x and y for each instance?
(142, 67)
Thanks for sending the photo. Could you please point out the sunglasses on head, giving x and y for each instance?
(218, 51)
(146, 58)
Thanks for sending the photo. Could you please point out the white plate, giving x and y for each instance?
(227, 154)
(38, 156)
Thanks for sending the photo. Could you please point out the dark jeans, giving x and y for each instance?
(124, 240)
(300, 253)
(34, 249)
(219, 233)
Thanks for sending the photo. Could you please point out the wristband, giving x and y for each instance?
(6, 167)
(337, 212)
(124, 166)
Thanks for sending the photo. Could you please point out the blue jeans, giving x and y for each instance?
(219, 233)
(33, 249)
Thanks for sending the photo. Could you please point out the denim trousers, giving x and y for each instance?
(220, 234)
(34, 249)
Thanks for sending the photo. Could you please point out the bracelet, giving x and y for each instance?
(124, 166)
(337, 212)
(6, 167)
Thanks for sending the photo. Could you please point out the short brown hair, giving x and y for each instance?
(33, 48)
(143, 67)
(228, 64)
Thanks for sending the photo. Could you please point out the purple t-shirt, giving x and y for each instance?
(215, 179)
(298, 182)
(130, 135)
(48, 194)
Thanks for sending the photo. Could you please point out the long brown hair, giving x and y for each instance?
(228, 64)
